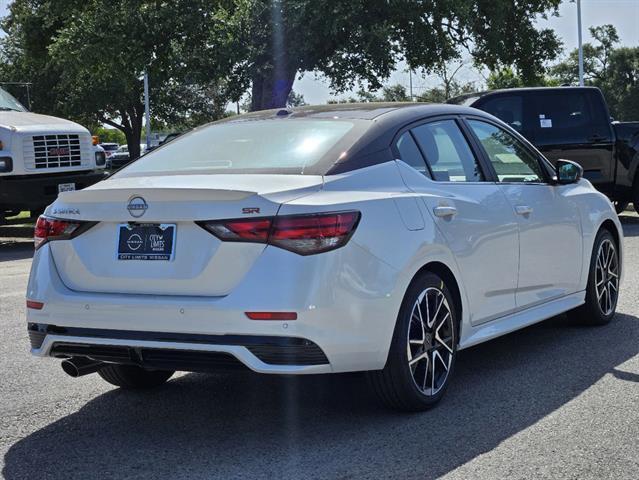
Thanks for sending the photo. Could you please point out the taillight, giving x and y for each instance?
(249, 230)
(48, 229)
(306, 234)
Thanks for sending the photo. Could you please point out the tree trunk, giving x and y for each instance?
(131, 125)
(271, 90)
(133, 142)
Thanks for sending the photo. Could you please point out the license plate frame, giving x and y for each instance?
(146, 242)
(66, 187)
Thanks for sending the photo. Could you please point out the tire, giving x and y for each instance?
(419, 386)
(601, 298)
(133, 377)
(620, 206)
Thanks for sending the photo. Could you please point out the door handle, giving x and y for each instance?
(444, 211)
(523, 210)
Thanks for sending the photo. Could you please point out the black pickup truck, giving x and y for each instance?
(572, 123)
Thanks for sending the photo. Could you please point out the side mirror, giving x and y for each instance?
(568, 172)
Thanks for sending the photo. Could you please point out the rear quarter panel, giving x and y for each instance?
(403, 243)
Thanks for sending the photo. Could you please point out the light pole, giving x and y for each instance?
(581, 48)
(147, 113)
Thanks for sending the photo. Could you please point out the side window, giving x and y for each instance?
(409, 153)
(567, 117)
(447, 152)
(509, 109)
(511, 160)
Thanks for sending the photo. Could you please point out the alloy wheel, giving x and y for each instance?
(430, 342)
(607, 277)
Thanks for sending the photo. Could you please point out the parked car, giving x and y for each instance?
(572, 123)
(121, 157)
(170, 137)
(41, 156)
(110, 148)
(376, 237)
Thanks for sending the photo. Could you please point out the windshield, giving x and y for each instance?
(109, 146)
(8, 103)
(255, 146)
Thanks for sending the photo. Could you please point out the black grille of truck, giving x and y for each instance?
(55, 151)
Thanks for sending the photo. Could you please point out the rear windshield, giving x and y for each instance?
(251, 146)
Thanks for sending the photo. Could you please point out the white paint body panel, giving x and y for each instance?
(347, 299)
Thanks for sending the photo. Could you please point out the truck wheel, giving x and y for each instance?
(134, 377)
(620, 206)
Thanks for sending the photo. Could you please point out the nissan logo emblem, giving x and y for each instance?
(137, 206)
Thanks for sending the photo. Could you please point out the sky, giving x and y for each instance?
(623, 14)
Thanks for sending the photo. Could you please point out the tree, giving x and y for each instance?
(364, 39)
(390, 93)
(295, 99)
(86, 60)
(596, 57)
(503, 78)
(110, 135)
(442, 94)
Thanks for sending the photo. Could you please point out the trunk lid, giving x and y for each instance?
(201, 264)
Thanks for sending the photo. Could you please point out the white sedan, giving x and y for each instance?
(380, 237)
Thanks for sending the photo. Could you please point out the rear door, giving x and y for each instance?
(472, 213)
(550, 236)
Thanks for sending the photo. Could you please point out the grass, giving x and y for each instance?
(24, 214)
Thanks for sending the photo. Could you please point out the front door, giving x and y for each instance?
(550, 237)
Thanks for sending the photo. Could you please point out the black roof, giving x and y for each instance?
(355, 111)
(477, 95)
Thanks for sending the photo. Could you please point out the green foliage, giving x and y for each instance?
(614, 70)
(295, 99)
(503, 78)
(86, 60)
(508, 78)
(442, 94)
(390, 93)
(110, 135)
(364, 39)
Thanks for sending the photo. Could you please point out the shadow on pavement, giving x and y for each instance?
(219, 426)
(15, 250)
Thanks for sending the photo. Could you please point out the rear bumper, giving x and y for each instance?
(24, 192)
(175, 351)
(346, 302)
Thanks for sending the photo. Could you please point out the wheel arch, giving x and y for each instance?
(609, 225)
(451, 282)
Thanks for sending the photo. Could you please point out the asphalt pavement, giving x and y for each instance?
(553, 401)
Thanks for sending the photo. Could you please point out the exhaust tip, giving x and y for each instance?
(70, 369)
(78, 366)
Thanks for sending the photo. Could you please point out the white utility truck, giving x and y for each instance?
(41, 156)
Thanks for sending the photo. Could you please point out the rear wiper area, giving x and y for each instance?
(9, 109)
